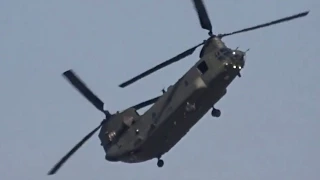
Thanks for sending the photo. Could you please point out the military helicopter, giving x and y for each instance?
(132, 138)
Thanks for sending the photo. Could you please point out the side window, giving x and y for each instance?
(219, 56)
(203, 67)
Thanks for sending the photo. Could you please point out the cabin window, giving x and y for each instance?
(203, 67)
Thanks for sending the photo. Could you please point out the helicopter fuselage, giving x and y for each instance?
(183, 104)
(129, 137)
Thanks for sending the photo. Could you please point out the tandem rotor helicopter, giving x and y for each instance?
(132, 138)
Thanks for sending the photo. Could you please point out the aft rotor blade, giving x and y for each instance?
(146, 103)
(72, 151)
(162, 65)
(269, 23)
(202, 15)
(83, 89)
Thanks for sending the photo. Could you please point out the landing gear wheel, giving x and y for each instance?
(160, 163)
(215, 112)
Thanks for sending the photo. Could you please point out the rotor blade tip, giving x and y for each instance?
(67, 72)
(127, 83)
(122, 85)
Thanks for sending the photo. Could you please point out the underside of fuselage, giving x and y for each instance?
(175, 127)
(172, 127)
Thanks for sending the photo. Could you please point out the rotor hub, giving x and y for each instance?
(107, 113)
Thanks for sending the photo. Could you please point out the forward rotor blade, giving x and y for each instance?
(72, 151)
(162, 65)
(146, 103)
(268, 24)
(202, 15)
(83, 89)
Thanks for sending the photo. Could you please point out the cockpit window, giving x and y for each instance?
(223, 53)
(223, 50)
(238, 55)
(226, 51)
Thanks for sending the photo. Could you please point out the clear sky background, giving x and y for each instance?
(270, 122)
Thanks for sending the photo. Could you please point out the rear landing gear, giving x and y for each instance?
(160, 162)
(215, 112)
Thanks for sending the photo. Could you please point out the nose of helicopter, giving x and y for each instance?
(237, 60)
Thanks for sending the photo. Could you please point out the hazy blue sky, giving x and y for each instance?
(270, 122)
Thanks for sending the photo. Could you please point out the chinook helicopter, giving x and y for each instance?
(132, 138)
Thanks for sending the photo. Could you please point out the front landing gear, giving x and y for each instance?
(215, 112)
(160, 162)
